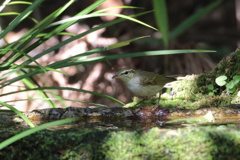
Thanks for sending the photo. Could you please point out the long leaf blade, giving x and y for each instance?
(19, 113)
(161, 17)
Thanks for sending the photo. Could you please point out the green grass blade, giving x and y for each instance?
(102, 58)
(4, 4)
(46, 22)
(9, 14)
(32, 34)
(117, 7)
(26, 55)
(66, 88)
(19, 2)
(16, 14)
(161, 17)
(67, 60)
(19, 67)
(77, 18)
(18, 113)
(124, 43)
(20, 18)
(34, 130)
(127, 55)
(86, 11)
(41, 93)
(82, 35)
(57, 99)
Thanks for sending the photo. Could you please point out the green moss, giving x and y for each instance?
(229, 66)
(192, 91)
(236, 98)
(192, 143)
(213, 142)
(59, 144)
(187, 99)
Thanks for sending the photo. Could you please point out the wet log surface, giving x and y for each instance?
(133, 117)
(121, 117)
(148, 112)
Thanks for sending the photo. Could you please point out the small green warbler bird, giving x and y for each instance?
(142, 83)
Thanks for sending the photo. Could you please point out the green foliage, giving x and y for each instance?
(221, 81)
(161, 18)
(212, 89)
(232, 85)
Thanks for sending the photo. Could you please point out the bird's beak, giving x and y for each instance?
(115, 76)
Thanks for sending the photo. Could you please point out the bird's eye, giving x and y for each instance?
(126, 73)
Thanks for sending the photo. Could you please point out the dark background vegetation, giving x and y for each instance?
(219, 31)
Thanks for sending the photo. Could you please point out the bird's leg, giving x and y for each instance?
(144, 99)
(160, 93)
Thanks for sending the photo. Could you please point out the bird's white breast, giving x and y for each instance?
(138, 89)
